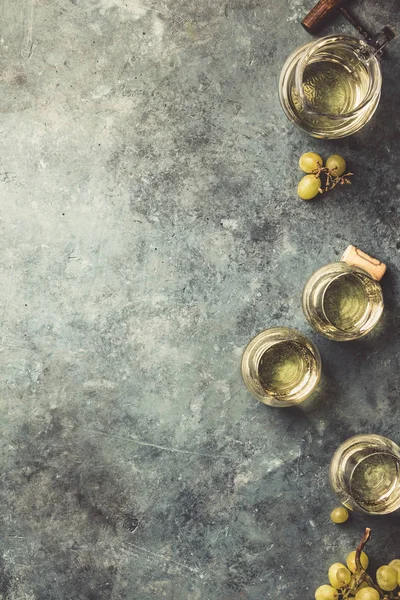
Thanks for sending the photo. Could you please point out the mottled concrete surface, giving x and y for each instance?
(149, 228)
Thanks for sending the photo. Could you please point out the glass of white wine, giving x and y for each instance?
(331, 87)
(365, 473)
(343, 300)
(281, 367)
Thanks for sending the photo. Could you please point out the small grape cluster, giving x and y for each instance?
(321, 178)
(353, 581)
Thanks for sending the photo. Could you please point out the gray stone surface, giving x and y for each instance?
(149, 228)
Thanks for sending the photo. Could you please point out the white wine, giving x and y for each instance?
(346, 300)
(375, 482)
(335, 85)
(350, 300)
(285, 367)
(281, 367)
(342, 301)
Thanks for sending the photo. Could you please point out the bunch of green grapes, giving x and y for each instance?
(312, 164)
(348, 582)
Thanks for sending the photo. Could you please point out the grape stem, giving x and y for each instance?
(332, 179)
(360, 548)
(359, 568)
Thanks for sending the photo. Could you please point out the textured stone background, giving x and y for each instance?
(149, 228)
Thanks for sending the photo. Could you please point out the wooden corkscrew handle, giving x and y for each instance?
(317, 15)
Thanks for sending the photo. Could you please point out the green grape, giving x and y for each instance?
(338, 575)
(351, 561)
(310, 162)
(336, 163)
(332, 574)
(308, 187)
(396, 565)
(326, 592)
(343, 576)
(368, 593)
(386, 578)
(339, 515)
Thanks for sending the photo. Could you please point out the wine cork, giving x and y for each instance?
(356, 257)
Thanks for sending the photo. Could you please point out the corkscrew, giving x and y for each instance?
(325, 9)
